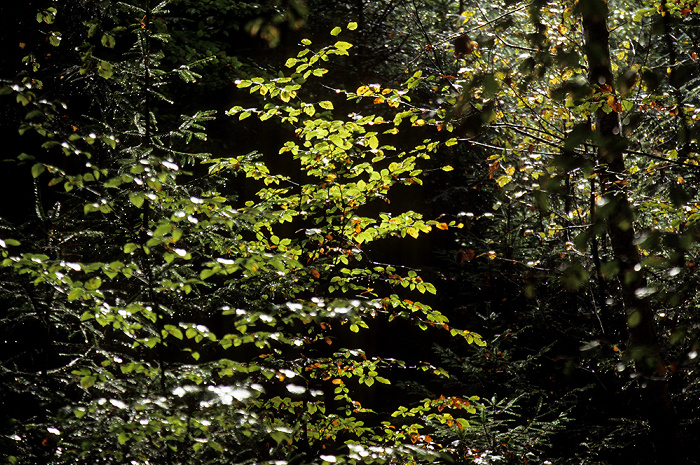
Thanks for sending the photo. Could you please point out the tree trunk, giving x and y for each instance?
(643, 340)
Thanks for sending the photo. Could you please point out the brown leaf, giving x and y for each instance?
(463, 46)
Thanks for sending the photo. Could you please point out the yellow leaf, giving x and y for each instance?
(373, 143)
(492, 254)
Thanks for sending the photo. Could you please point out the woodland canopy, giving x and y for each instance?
(325, 232)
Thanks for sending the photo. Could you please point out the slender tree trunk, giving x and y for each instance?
(643, 340)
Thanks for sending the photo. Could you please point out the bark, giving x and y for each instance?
(643, 339)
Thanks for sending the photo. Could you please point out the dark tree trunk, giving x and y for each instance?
(643, 340)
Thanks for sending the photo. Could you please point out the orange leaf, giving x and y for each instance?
(442, 226)
(337, 381)
(315, 273)
(465, 255)
(492, 169)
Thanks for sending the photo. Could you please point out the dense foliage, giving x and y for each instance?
(275, 231)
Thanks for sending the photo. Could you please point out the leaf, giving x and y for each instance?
(336, 30)
(105, 70)
(352, 26)
(108, 41)
(373, 143)
(172, 330)
(341, 45)
(326, 105)
(206, 273)
(55, 39)
(130, 247)
(137, 198)
(37, 169)
(93, 283)
(216, 446)
(88, 381)
(75, 293)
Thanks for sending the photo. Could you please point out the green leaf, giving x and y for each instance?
(352, 26)
(93, 283)
(75, 293)
(216, 446)
(55, 39)
(173, 331)
(105, 70)
(137, 198)
(88, 381)
(37, 169)
(108, 41)
(130, 247)
(206, 273)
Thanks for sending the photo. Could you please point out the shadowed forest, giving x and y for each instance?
(291, 232)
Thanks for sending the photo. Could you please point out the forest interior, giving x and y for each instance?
(290, 232)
